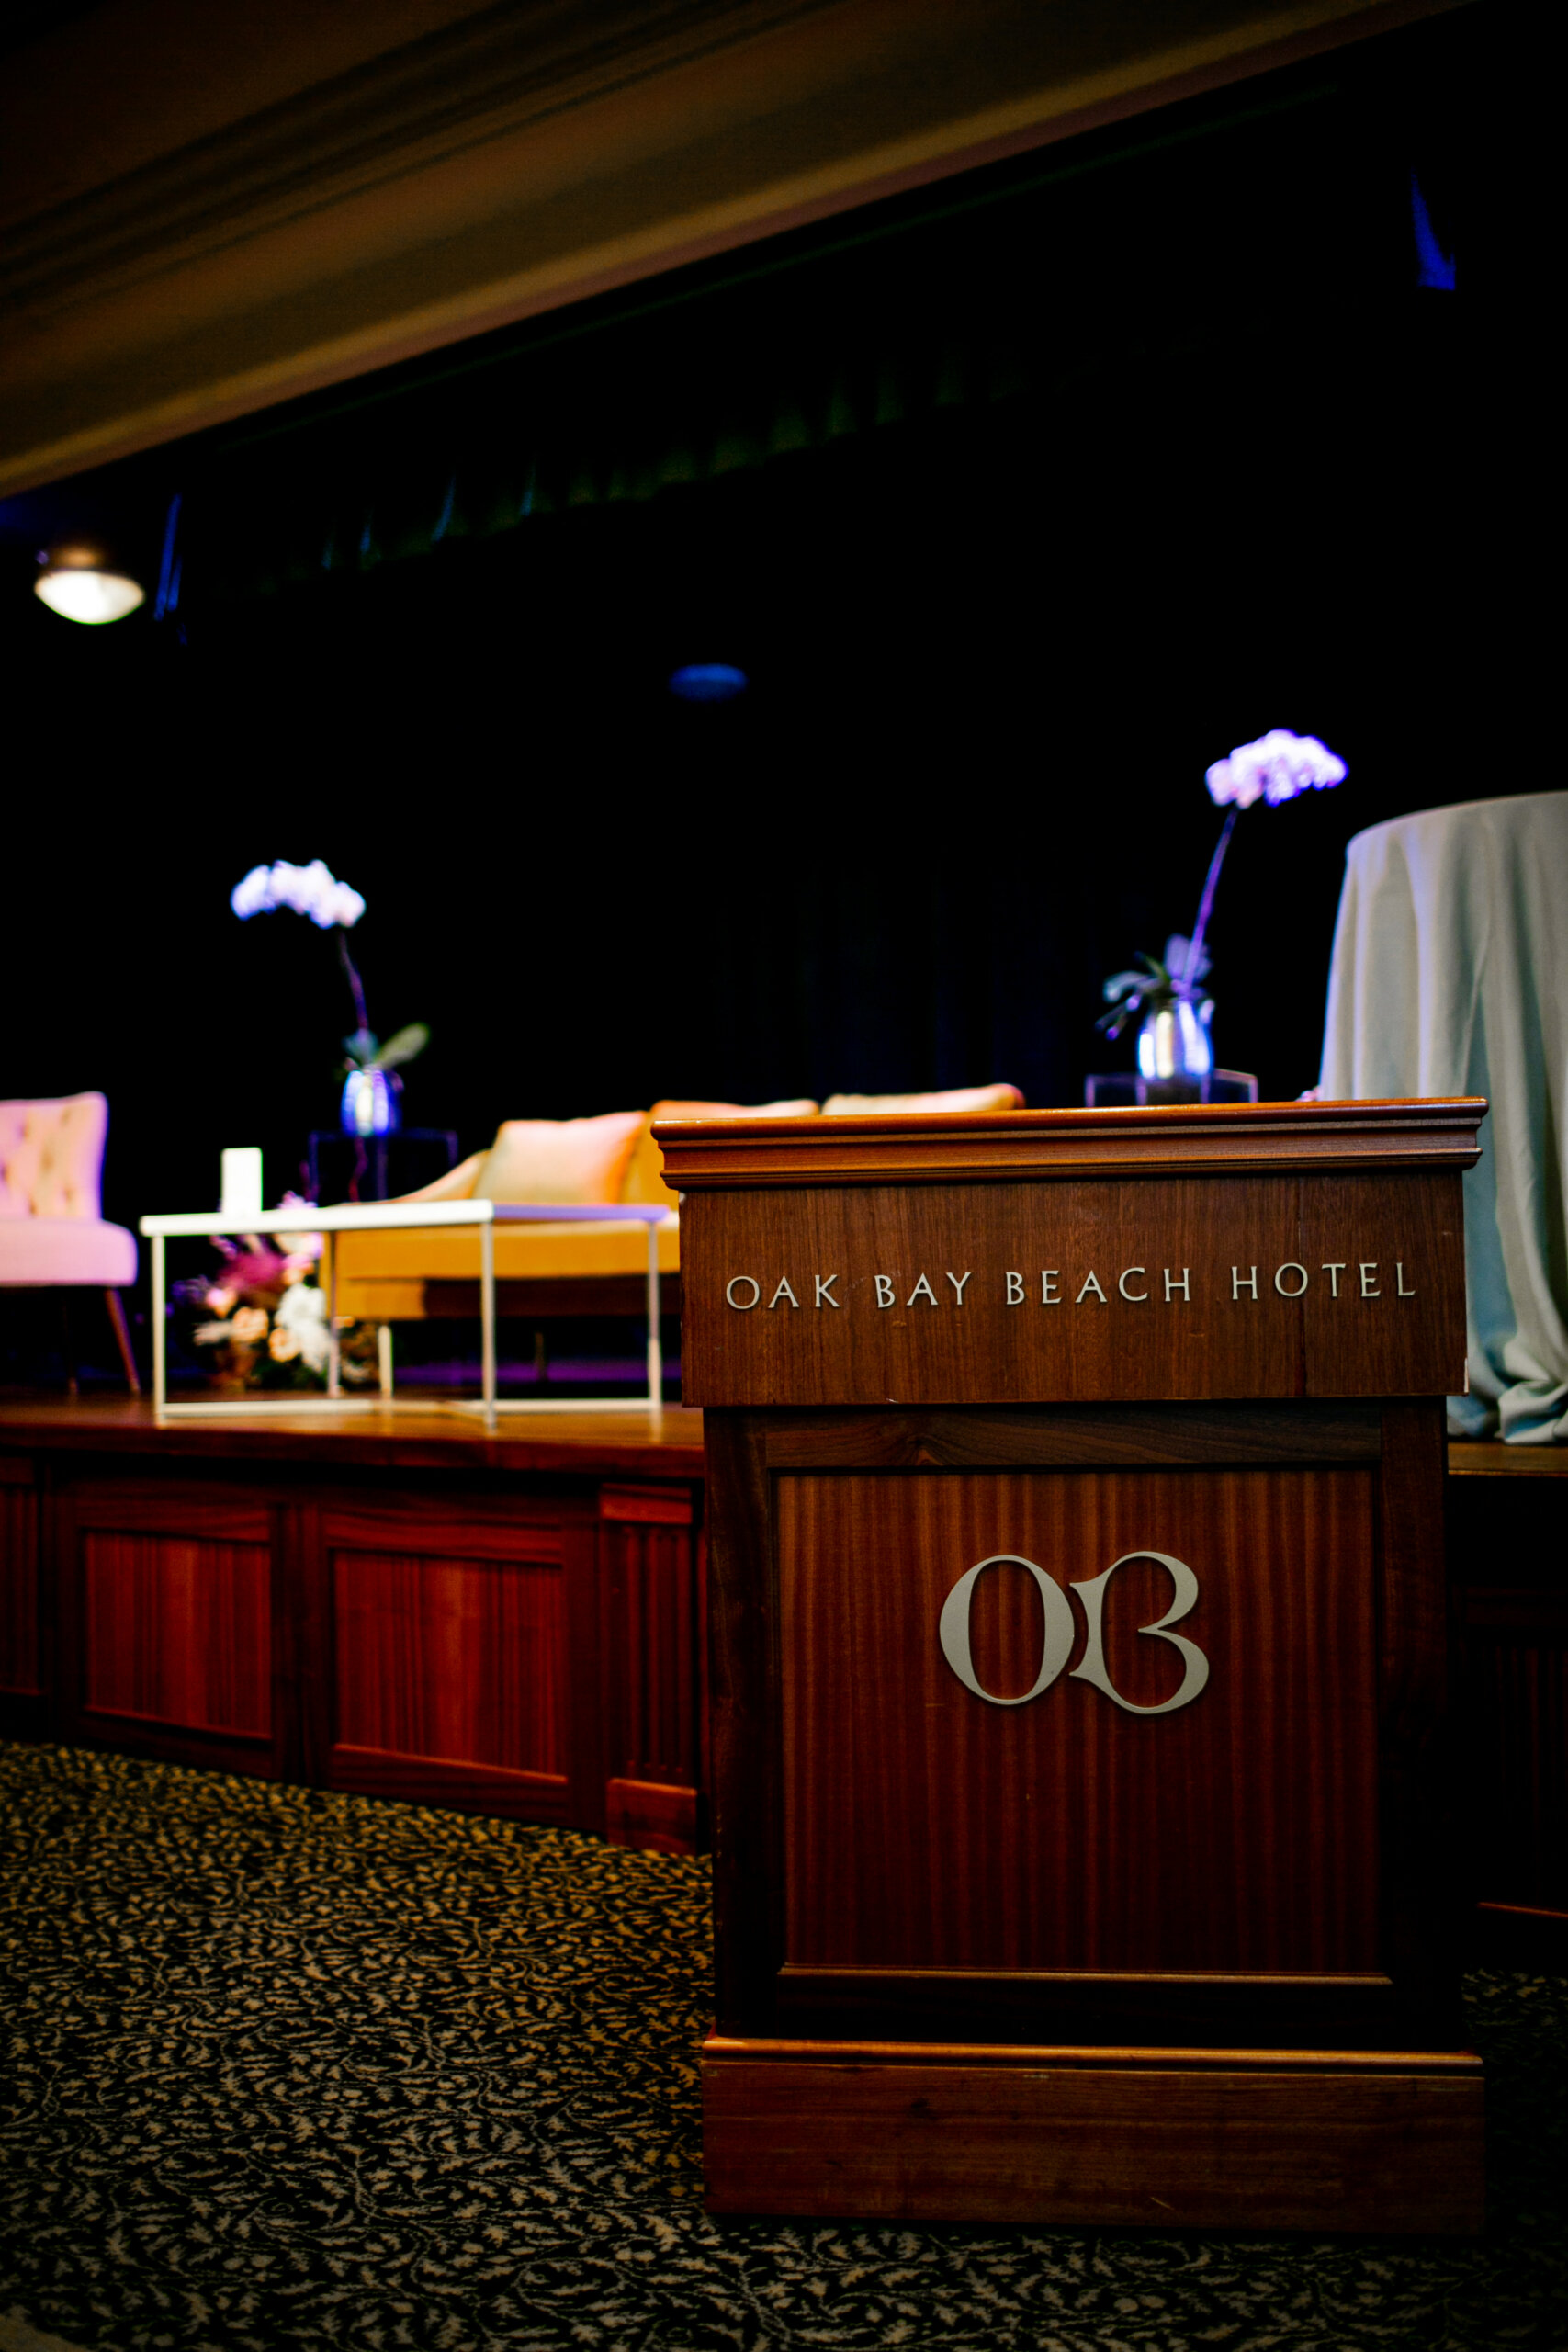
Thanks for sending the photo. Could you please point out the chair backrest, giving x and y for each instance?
(956, 1098)
(51, 1156)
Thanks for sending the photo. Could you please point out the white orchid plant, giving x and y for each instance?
(1276, 768)
(314, 891)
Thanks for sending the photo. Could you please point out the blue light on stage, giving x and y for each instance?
(708, 682)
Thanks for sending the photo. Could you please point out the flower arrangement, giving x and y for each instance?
(1275, 768)
(370, 1083)
(264, 1321)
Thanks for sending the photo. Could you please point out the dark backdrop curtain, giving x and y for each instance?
(1018, 504)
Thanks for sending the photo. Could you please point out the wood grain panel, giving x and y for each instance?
(891, 2136)
(926, 1829)
(1120, 1290)
(1379, 1234)
(178, 1630)
(742, 1724)
(456, 1657)
(1061, 1437)
(660, 1817)
(1421, 1888)
(654, 1635)
(22, 1664)
(461, 1787)
(652, 1649)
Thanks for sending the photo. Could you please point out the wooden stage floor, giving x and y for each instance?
(624, 1442)
(611, 1439)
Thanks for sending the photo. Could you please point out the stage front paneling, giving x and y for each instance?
(508, 1625)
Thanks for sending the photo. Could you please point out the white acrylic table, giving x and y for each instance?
(381, 1217)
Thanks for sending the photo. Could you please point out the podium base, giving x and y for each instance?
(1161, 2139)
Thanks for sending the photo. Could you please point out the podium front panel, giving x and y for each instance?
(1237, 1833)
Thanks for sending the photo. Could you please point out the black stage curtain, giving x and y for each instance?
(1018, 504)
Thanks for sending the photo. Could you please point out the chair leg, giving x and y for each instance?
(123, 1340)
(67, 1345)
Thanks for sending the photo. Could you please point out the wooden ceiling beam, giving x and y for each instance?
(261, 217)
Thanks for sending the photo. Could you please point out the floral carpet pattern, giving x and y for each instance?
(286, 2068)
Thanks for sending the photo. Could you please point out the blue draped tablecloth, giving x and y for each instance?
(1450, 976)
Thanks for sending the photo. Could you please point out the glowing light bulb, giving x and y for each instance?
(80, 585)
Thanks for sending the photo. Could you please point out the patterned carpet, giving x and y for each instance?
(291, 2069)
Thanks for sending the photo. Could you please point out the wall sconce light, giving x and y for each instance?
(81, 583)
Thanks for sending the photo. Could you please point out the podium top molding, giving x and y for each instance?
(999, 1147)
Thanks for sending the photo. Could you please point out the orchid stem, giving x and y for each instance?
(353, 981)
(1195, 952)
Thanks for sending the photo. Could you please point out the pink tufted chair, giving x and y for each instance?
(52, 1230)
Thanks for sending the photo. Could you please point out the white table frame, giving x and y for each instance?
(388, 1216)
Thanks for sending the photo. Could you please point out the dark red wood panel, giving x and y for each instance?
(176, 1630)
(21, 1665)
(924, 1828)
(454, 1656)
(653, 1628)
(893, 2135)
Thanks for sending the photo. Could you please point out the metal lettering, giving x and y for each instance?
(1290, 1267)
(953, 1630)
(1133, 1297)
(783, 1291)
(1369, 1289)
(743, 1306)
(1015, 1290)
(1240, 1281)
(1092, 1667)
(885, 1290)
(958, 1282)
(824, 1290)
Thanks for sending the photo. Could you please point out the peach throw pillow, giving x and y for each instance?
(956, 1098)
(560, 1159)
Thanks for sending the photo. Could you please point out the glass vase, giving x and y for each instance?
(369, 1103)
(1174, 1051)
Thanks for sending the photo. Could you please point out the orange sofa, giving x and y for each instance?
(551, 1270)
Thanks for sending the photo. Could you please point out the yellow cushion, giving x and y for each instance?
(560, 1159)
(957, 1097)
(645, 1179)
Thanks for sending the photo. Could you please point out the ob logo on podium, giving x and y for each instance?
(1061, 1632)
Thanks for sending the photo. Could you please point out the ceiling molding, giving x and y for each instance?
(524, 157)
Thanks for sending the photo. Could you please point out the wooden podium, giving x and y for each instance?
(1078, 1664)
